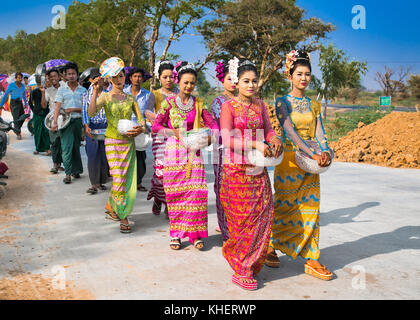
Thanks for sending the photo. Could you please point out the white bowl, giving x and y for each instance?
(63, 120)
(196, 139)
(256, 158)
(125, 125)
(143, 141)
(309, 165)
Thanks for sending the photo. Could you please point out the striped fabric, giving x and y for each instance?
(121, 156)
(158, 148)
(186, 198)
(295, 228)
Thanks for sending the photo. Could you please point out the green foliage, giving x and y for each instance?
(263, 31)
(203, 86)
(348, 121)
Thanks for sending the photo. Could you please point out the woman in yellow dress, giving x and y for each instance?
(295, 230)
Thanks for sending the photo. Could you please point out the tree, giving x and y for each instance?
(337, 72)
(276, 86)
(203, 86)
(392, 87)
(262, 31)
(414, 85)
(178, 16)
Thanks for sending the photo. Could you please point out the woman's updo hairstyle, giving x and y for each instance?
(294, 59)
(246, 65)
(165, 65)
(182, 68)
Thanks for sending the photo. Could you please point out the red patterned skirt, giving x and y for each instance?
(247, 203)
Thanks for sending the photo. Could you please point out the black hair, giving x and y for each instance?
(302, 59)
(25, 77)
(18, 74)
(51, 71)
(165, 66)
(136, 70)
(188, 70)
(246, 67)
(71, 65)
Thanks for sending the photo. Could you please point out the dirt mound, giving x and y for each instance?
(393, 141)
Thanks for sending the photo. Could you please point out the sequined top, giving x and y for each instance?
(301, 120)
(241, 124)
(116, 110)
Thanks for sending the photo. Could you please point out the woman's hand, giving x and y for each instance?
(135, 131)
(276, 146)
(324, 159)
(263, 148)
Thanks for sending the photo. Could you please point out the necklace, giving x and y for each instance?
(184, 107)
(300, 105)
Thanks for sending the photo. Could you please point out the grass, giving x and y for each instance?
(345, 122)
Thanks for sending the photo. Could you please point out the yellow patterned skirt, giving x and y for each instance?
(295, 229)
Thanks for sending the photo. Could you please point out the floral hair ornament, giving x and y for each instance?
(157, 66)
(233, 69)
(111, 67)
(176, 73)
(219, 71)
(292, 57)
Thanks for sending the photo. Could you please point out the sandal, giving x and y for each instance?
(103, 187)
(67, 180)
(246, 286)
(76, 175)
(272, 260)
(313, 272)
(112, 216)
(199, 244)
(36, 152)
(175, 244)
(157, 206)
(126, 228)
(141, 188)
(92, 190)
(54, 170)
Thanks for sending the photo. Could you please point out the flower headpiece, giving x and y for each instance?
(157, 66)
(176, 73)
(234, 65)
(219, 71)
(233, 69)
(292, 57)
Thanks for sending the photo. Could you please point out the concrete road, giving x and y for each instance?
(370, 239)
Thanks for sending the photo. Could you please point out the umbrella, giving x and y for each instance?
(32, 80)
(55, 64)
(127, 70)
(85, 75)
(12, 77)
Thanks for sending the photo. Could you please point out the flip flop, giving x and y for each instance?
(128, 230)
(92, 190)
(141, 188)
(110, 216)
(175, 244)
(246, 286)
(197, 242)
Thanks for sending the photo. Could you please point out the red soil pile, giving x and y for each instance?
(393, 141)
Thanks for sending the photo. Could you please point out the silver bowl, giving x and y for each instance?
(309, 165)
(256, 158)
(143, 141)
(63, 120)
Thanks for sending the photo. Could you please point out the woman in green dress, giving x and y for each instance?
(120, 148)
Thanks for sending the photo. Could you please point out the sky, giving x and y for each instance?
(391, 36)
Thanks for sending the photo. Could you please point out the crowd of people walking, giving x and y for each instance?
(255, 218)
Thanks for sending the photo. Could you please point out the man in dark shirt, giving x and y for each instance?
(41, 134)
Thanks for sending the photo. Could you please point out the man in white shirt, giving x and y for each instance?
(48, 99)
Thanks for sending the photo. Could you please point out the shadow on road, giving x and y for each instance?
(346, 215)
